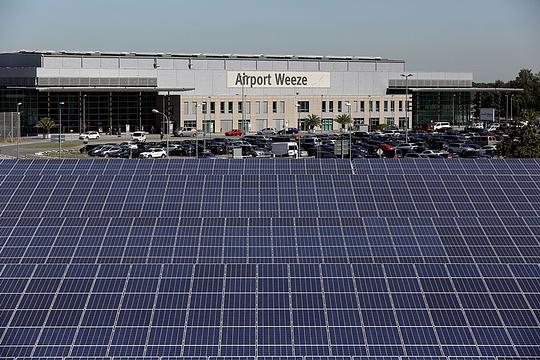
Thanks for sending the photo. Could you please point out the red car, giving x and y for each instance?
(234, 132)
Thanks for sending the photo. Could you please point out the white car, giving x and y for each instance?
(138, 136)
(488, 150)
(493, 127)
(407, 146)
(89, 135)
(153, 153)
(441, 126)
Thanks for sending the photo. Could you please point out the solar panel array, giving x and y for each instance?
(271, 258)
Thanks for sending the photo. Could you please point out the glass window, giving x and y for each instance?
(400, 105)
(362, 106)
(213, 107)
(330, 106)
(190, 123)
(303, 106)
(230, 107)
(392, 105)
(386, 105)
(274, 107)
(377, 105)
(389, 122)
(222, 107)
(248, 107)
(239, 107)
(186, 108)
(340, 106)
(323, 106)
(265, 107)
(370, 105)
(281, 108)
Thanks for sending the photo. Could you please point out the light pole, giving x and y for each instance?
(348, 104)
(506, 111)
(406, 76)
(19, 126)
(60, 104)
(84, 113)
(165, 117)
(511, 117)
(243, 108)
(297, 106)
(453, 110)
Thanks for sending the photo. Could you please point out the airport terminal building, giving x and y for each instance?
(219, 92)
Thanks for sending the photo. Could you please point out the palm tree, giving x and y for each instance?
(46, 123)
(343, 119)
(311, 121)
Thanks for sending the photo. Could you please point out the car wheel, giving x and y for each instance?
(163, 156)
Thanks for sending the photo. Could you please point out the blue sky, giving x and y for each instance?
(491, 38)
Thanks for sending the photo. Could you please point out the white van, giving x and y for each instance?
(441, 126)
(281, 149)
(138, 136)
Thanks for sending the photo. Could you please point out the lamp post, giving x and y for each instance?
(506, 110)
(19, 126)
(406, 76)
(453, 110)
(348, 104)
(298, 129)
(60, 104)
(165, 117)
(84, 113)
(511, 117)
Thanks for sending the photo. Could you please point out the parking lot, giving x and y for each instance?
(466, 143)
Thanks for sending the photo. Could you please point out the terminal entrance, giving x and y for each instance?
(244, 125)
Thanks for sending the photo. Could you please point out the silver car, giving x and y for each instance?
(185, 131)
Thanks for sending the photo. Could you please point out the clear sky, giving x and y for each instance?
(491, 38)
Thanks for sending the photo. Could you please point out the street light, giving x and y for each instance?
(406, 76)
(348, 104)
(84, 113)
(19, 127)
(165, 117)
(453, 110)
(60, 104)
(298, 129)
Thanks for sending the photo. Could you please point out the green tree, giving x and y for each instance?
(523, 141)
(46, 124)
(343, 119)
(312, 121)
(382, 127)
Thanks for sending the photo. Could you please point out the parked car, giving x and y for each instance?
(88, 148)
(438, 126)
(138, 136)
(488, 150)
(234, 132)
(456, 148)
(153, 153)
(185, 131)
(267, 131)
(88, 135)
(288, 131)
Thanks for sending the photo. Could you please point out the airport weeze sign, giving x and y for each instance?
(260, 79)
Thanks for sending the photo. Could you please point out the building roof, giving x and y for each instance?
(207, 55)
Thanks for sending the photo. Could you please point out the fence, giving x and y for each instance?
(10, 128)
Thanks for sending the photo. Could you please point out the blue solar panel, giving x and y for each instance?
(271, 258)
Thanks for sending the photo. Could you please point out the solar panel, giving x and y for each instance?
(270, 258)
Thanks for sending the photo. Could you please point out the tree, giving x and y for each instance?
(46, 124)
(523, 140)
(343, 119)
(312, 121)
